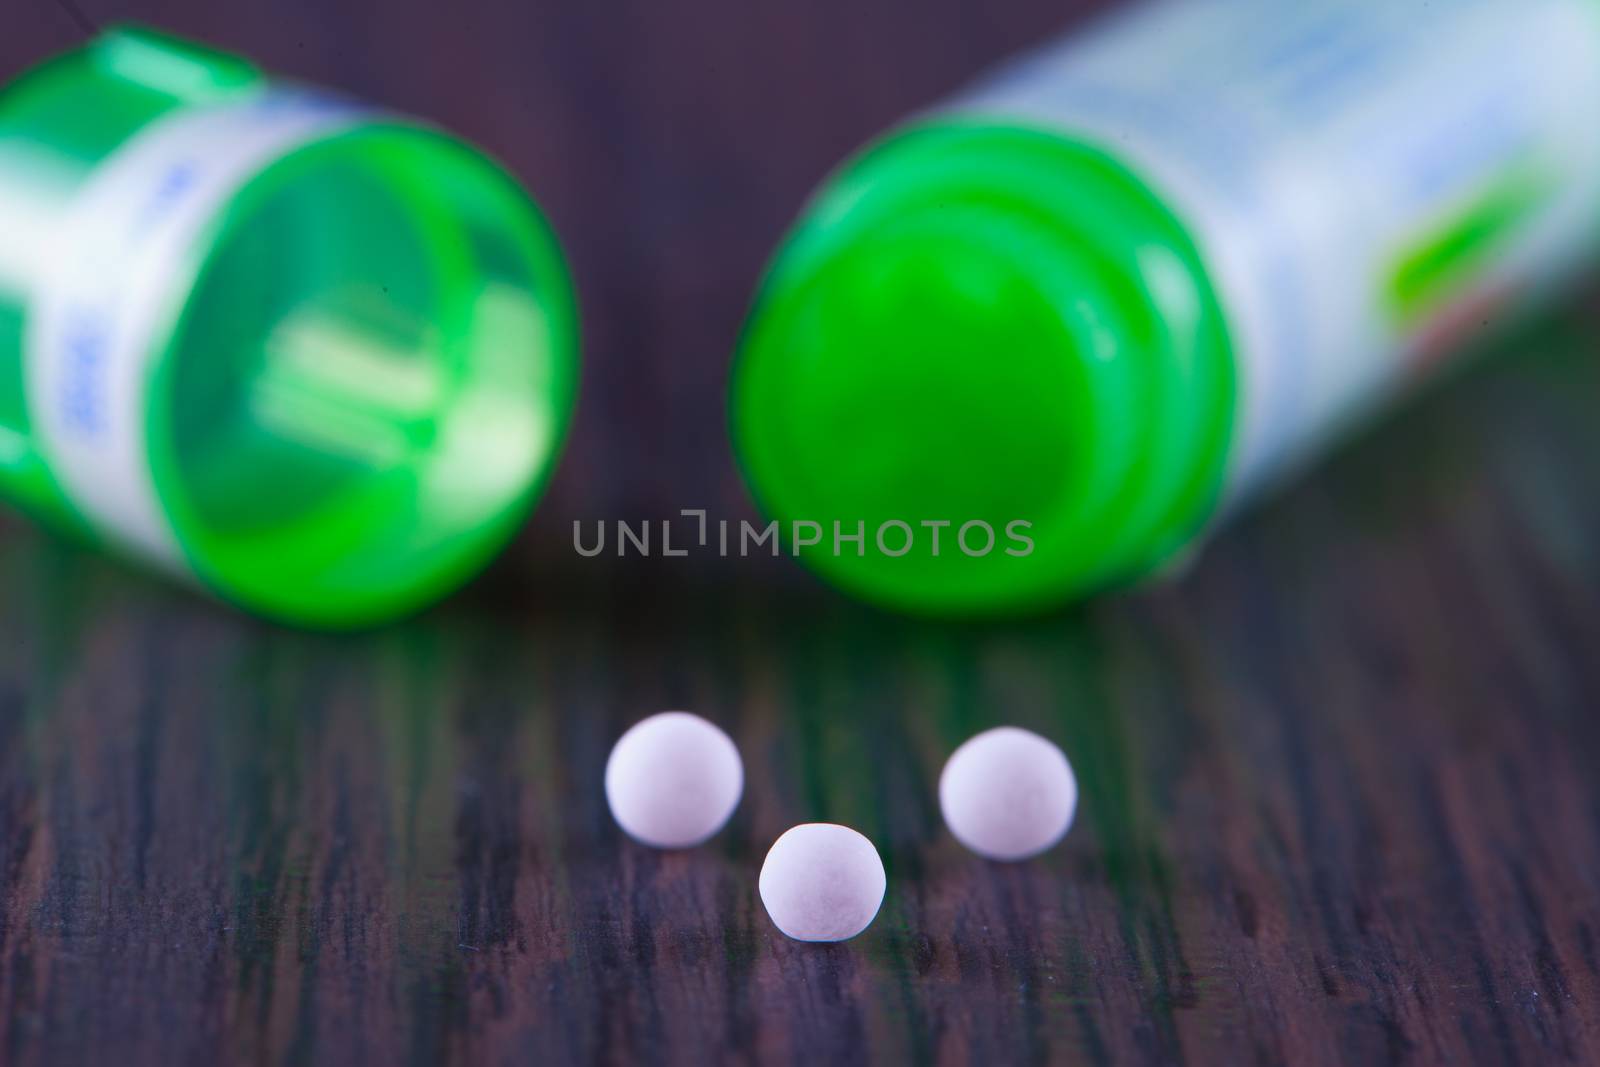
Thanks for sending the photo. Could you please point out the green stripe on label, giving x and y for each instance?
(1439, 265)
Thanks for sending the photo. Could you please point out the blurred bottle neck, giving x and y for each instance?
(57, 124)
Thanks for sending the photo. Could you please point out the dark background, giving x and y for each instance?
(1340, 783)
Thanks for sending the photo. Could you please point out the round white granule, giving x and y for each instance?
(1008, 794)
(673, 780)
(822, 882)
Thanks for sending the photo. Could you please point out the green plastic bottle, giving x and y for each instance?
(1040, 339)
(315, 358)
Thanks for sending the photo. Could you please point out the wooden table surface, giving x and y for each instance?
(1340, 783)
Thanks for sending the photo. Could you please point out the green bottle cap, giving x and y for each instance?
(995, 328)
(316, 358)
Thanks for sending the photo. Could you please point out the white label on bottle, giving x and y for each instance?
(1369, 181)
(121, 266)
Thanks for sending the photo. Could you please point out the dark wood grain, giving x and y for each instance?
(1341, 781)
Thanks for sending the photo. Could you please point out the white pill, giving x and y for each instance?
(822, 882)
(1008, 794)
(673, 780)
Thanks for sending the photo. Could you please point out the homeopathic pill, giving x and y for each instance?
(822, 882)
(1008, 794)
(673, 780)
